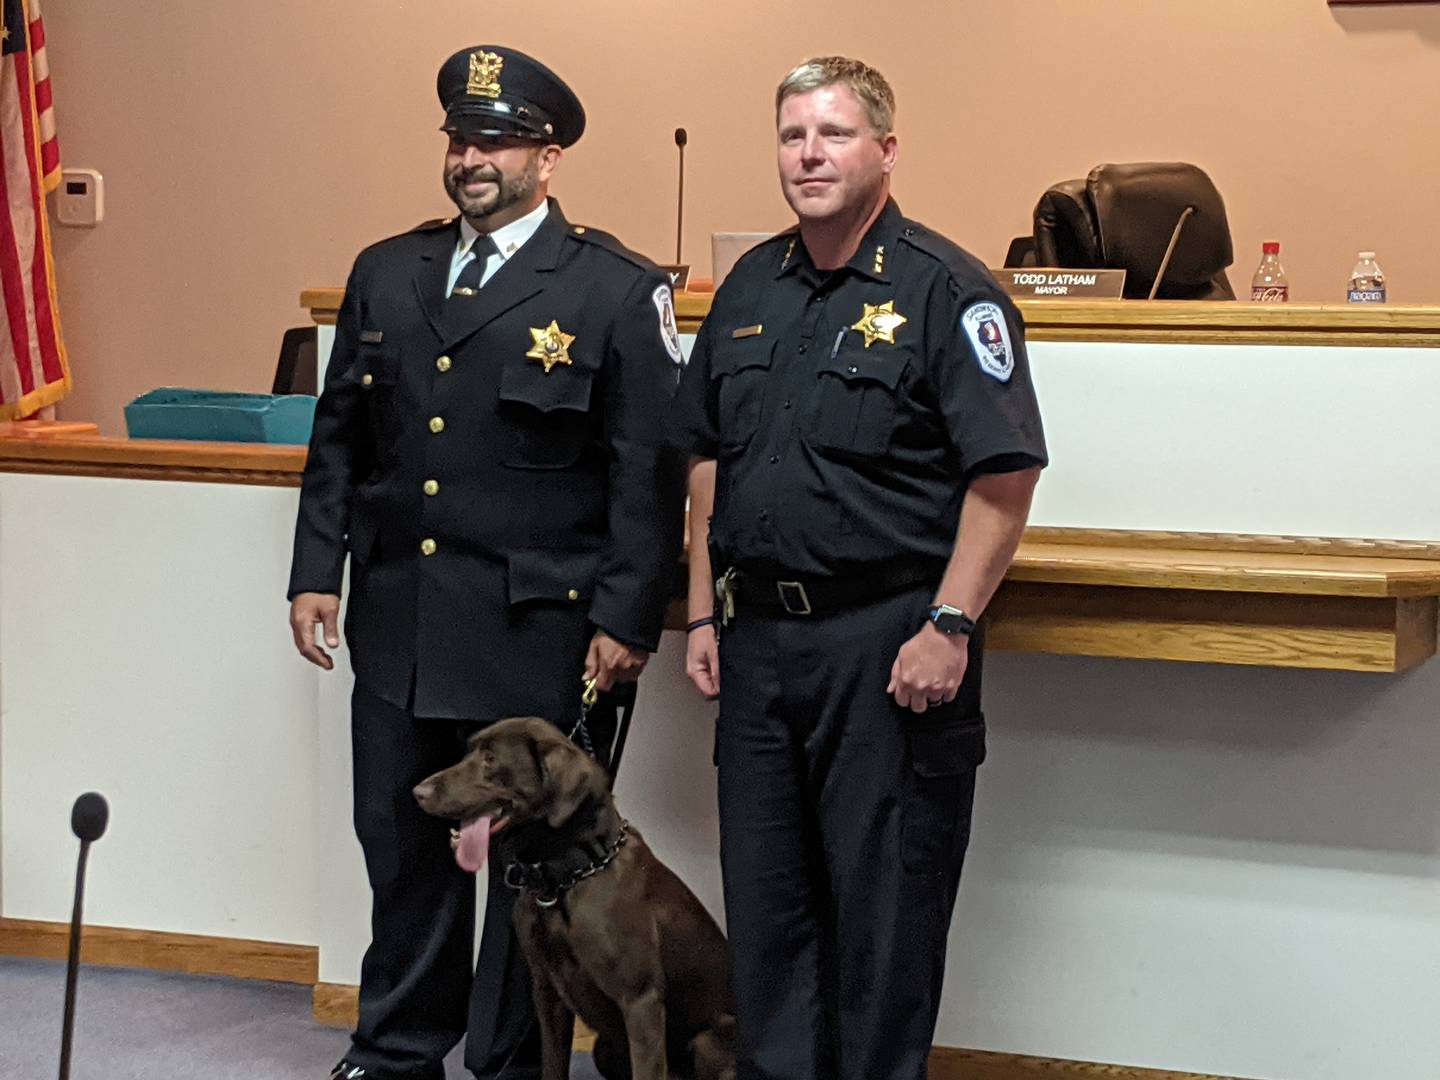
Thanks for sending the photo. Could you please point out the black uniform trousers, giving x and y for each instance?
(843, 825)
(419, 994)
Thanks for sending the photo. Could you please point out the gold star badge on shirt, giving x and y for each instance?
(552, 346)
(880, 322)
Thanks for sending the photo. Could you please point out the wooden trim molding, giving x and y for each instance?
(1269, 630)
(256, 464)
(1200, 322)
(335, 1004)
(161, 951)
(949, 1063)
(1355, 546)
(323, 304)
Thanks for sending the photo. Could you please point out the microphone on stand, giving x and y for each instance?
(88, 818)
(678, 272)
(680, 140)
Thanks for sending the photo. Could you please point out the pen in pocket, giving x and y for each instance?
(835, 349)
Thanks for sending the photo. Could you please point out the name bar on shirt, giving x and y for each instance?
(1058, 283)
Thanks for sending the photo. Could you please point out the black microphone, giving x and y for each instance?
(88, 818)
(680, 140)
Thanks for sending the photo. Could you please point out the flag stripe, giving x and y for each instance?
(44, 102)
(34, 371)
(13, 282)
(49, 357)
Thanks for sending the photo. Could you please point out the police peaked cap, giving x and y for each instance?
(492, 90)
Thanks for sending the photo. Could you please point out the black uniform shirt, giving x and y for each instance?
(847, 410)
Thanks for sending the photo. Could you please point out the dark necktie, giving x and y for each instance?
(458, 305)
(468, 283)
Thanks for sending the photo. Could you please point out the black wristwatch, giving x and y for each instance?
(951, 620)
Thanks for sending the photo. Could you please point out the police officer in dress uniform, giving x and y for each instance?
(489, 451)
(865, 442)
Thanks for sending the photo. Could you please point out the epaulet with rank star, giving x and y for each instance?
(602, 239)
(433, 224)
(965, 269)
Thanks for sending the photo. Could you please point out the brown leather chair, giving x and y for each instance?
(1123, 217)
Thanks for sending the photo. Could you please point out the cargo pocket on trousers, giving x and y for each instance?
(939, 789)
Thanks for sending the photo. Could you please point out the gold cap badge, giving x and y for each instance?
(552, 346)
(880, 322)
(485, 74)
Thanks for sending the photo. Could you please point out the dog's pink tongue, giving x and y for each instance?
(474, 845)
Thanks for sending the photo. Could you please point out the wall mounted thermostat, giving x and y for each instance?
(80, 198)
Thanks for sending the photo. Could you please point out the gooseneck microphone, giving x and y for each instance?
(680, 140)
(88, 818)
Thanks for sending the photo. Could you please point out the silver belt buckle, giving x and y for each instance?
(793, 598)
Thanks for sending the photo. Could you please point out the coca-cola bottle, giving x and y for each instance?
(1270, 285)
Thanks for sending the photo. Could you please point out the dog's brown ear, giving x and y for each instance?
(570, 779)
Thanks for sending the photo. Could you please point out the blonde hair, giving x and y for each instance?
(859, 78)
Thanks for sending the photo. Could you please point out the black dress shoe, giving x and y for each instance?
(347, 1070)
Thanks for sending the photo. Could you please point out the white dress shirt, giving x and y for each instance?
(508, 240)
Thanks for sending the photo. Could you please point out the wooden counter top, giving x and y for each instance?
(155, 459)
(1349, 604)
(1158, 321)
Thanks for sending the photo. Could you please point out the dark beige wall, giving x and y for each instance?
(250, 149)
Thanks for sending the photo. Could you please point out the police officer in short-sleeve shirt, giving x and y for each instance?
(864, 442)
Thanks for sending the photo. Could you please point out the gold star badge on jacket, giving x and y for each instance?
(552, 346)
(880, 322)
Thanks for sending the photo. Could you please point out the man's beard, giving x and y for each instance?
(504, 192)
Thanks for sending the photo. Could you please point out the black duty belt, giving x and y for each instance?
(822, 596)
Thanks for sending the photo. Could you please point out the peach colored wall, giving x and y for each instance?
(250, 149)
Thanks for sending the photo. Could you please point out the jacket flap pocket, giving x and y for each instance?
(552, 575)
(735, 355)
(868, 365)
(564, 386)
(375, 365)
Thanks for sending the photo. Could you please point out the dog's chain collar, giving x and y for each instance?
(523, 877)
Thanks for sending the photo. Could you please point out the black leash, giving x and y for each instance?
(623, 696)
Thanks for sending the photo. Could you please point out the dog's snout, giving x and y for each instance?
(425, 793)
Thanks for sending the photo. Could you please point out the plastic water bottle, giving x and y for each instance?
(1367, 281)
(1270, 285)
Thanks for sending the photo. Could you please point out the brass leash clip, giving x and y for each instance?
(725, 594)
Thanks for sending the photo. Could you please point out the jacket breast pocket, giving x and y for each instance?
(547, 415)
(739, 370)
(857, 401)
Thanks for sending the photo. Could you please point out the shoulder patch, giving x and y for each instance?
(985, 326)
(602, 239)
(669, 329)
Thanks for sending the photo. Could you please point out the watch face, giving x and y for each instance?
(951, 622)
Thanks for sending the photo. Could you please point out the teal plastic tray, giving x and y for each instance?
(221, 416)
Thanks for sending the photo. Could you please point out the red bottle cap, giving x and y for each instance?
(1271, 247)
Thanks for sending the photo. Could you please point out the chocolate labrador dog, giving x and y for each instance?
(610, 933)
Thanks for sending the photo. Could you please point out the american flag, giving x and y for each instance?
(34, 371)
